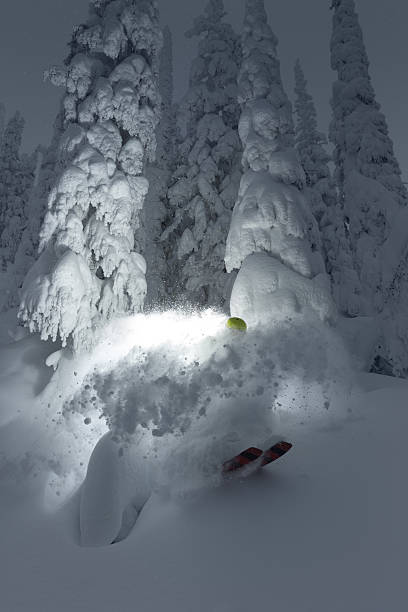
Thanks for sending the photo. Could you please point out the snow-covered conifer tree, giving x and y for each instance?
(272, 225)
(9, 163)
(27, 249)
(88, 270)
(2, 121)
(46, 166)
(310, 147)
(166, 133)
(16, 178)
(391, 352)
(321, 193)
(158, 174)
(367, 172)
(207, 178)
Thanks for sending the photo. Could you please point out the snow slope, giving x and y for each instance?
(322, 530)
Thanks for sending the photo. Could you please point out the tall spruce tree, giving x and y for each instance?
(321, 193)
(2, 122)
(9, 163)
(158, 174)
(391, 354)
(206, 180)
(16, 179)
(272, 228)
(88, 270)
(26, 251)
(367, 172)
(46, 166)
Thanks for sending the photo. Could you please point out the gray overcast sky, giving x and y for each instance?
(34, 34)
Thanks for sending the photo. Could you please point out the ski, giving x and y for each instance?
(241, 460)
(275, 452)
(253, 453)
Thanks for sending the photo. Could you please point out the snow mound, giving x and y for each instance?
(267, 291)
(115, 489)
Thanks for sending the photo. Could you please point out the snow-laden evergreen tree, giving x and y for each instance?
(166, 132)
(158, 174)
(16, 178)
(9, 163)
(2, 122)
(321, 193)
(207, 178)
(272, 228)
(367, 172)
(26, 252)
(46, 166)
(391, 353)
(88, 270)
(310, 145)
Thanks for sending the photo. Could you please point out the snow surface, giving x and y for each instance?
(330, 521)
(329, 518)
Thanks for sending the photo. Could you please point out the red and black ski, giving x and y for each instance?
(241, 460)
(275, 452)
(252, 454)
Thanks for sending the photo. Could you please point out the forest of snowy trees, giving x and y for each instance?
(230, 198)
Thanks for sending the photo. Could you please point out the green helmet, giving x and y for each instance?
(236, 323)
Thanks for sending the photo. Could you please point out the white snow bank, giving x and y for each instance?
(115, 489)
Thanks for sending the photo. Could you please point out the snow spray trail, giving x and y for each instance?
(196, 392)
(202, 392)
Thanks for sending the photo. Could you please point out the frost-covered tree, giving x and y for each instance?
(27, 249)
(321, 193)
(367, 172)
(46, 166)
(88, 270)
(310, 145)
(158, 174)
(9, 163)
(167, 130)
(16, 178)
(206, 181)
(2, 121)
(391, 353)
(272, 226)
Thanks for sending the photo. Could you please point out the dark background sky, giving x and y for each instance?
(34, 34)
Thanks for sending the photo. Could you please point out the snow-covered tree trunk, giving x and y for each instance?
(272, 228)
(88, 270)
(367, 172)
(321, 193)
(206, 181)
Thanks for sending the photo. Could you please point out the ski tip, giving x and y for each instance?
(275, 452)
(247, 456)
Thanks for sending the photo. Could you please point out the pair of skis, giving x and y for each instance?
(254, 454)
